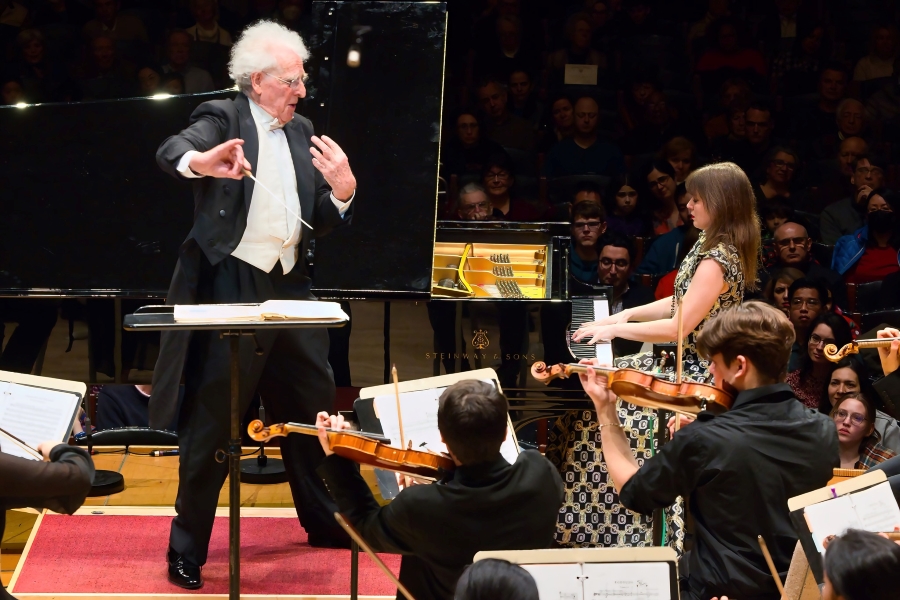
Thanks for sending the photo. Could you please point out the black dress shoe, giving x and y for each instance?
(183, 574)
(321, 540)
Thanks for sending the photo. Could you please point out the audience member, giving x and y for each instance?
(584, 153)
(666, 251)
(795, 71)
(640, 20)
(473, 204)
(871, 252)
(498, 178)
(178, 53)
(661, 123)
(883, 106)
(808, 298)
(206, 27)
(848, 215)
(833, 178)
(524, 99)
(715, 10)
(774, 213)
(860, 446)
(577, 51)
(588, 224)
(810, 376)
(781, 27)
(850, 121)
(467, 151)
(126, 30)
(503, 127)
(681, 154)
(759, 126)
(733, 93)
(728, 57)
(879, 62)
(587, 191)
(732, 146)
(794, 250)
(810, 121)
(12, 90)
(121, 406)
(14, 16)
(604, 18)
(659, 178)
(106, 76)
(149, 80)
(615, 266)
(625, 211)
(41, 77)
(506, 52)
(780, 165)
(560, 125)
(776, 290)
(851, 378)
(640, 86)
(172, 83)
(860, 565)
(493, 579)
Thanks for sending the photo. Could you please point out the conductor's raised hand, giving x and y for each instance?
(324, 421)
(225, 160)
(890, 357)
(331, 161)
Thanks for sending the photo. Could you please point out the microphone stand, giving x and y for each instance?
(263, 470)
(105, 482)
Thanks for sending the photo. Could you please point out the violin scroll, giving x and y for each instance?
(541, 372)
(834, 355)
(259, 432)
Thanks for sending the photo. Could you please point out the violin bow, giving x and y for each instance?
(354, 535)
(399, 413)
(679, 351)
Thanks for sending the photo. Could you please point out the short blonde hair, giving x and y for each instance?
(253, 52)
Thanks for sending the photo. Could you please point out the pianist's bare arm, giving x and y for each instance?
(699, 300)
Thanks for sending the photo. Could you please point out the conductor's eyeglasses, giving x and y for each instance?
(291, 83)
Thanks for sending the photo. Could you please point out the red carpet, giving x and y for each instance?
(119, 554)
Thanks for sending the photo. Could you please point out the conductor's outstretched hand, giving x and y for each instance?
(331, 161)
(225, 160)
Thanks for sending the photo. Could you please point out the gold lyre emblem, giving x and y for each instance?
(480, 341)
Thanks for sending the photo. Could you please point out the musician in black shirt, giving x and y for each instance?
(737, 469)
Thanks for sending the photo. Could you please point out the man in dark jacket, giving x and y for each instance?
(485, 504)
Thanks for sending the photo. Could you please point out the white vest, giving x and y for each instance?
(273, 232)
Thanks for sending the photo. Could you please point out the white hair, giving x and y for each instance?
(254, 50)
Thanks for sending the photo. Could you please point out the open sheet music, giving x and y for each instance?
(33, 415)
(873, 509)
(269, 310)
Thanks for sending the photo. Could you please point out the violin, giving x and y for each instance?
(646, 389)
(834, 355)
(364, 448)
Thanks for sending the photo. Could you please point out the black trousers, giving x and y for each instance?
(35, 320)
(295, 382)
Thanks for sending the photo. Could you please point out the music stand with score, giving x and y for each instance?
(162, 318)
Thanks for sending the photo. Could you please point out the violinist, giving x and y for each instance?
(484, 504)
(737, 469)
(714, 276)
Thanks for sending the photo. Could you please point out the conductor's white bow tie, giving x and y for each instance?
(275, 124)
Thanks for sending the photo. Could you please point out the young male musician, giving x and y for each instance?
(485, 504)
(738, 469)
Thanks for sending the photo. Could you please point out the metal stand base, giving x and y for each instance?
(106, 483)
(271, 471)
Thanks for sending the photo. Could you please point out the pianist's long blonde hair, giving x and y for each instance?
(731, 204)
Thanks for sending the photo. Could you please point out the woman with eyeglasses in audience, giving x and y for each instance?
(498, 178)
(859, 444)
(780, 166)
(851, 377)
(658, 179)
(809, 381)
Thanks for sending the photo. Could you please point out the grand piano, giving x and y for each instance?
(86, 213)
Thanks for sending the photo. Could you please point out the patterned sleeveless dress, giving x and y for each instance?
(591, 515)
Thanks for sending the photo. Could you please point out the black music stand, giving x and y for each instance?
(162, 318)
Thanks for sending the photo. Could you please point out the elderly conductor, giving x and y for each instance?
(247, 244)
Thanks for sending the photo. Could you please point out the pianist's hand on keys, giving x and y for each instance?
(597, 331)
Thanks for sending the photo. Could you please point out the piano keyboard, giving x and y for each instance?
(586, 309)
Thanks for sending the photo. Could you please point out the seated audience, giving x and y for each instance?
(149, 80)
(588, 224)
(506, 51)
(577, 51)
(780, 166)
(501, 126)
(681, 154)
(207, 28)
(493, 579)
(808, 122)
(873, 251)
(796, 71)
(794, 250)
(178, 53)
(498, 178)
(659, 178)
(625, 211)
(773, 214)
(846, 216)
(172, 83)
(615, 266)
(860, 565)
(809, 378)
(776, 290)
(584, 153)
(126, 406)
(12, 90)
(467, 151)
(778, 30)
(439, 528)
(715, 10)
(524, 98)
(659, 124)
(561, 122)
(879, 62)
(41, 77)
(663, 255)
(732, 145)
(860, 446)
(833, 178)
(106, 76)
(108, 22)
(727, 57)
(734, 93)
(883, 106)
(640, 86)
(851, 377)
(850, 121)
(473, 204)
(808, 298)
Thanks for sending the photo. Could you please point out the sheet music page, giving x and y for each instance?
(305, 309)
(557, 581)
(420, 410)
(638, 581)
(877, 508)
(35, 415)
(832, 517)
